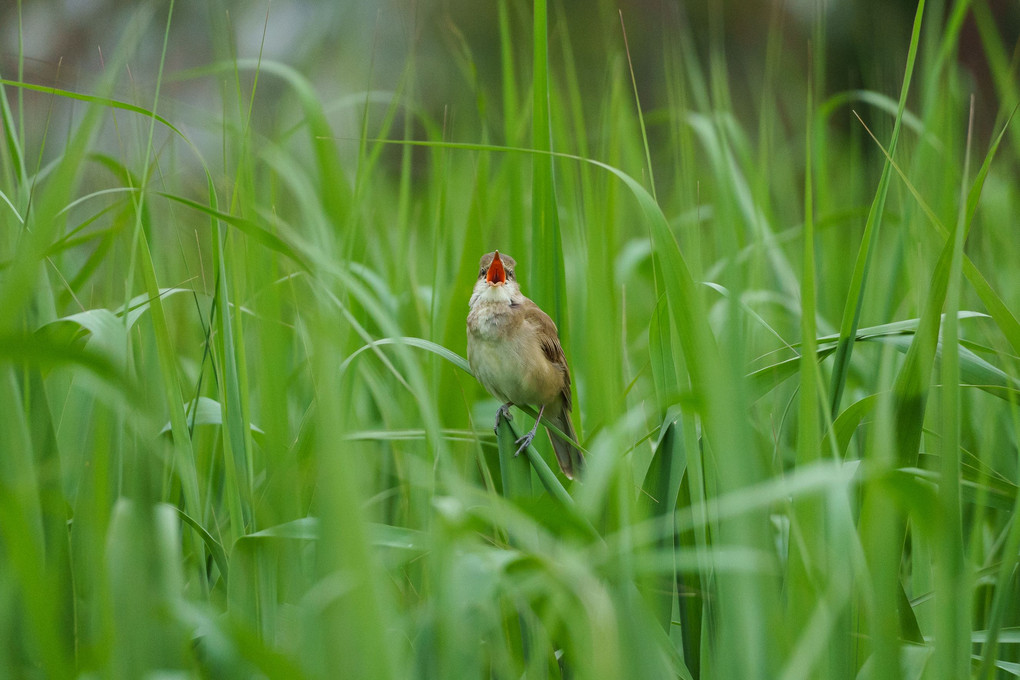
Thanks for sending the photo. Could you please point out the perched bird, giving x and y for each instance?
(514, 351)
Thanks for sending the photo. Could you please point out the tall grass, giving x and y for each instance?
(239, 436)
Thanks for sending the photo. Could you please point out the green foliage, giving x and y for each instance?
(239, 436)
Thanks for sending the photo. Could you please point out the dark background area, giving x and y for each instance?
(351, 47)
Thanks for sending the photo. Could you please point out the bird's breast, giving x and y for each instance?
(506, 356)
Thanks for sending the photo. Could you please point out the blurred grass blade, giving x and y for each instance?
(24, 546)
(427, 345)
(763, 380)
(546, 276)
(850, 419)
(236, 435)
(514, 469)
(973, 369)
(215, 549)
(806, 573)
(953, 629)
(11, 139)
(100, 101)
(662, 489)
(855, 296)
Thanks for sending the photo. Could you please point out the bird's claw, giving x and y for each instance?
(530, 435)
(523, 441)
(502, 412)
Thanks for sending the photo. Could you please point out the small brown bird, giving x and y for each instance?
(514, 351)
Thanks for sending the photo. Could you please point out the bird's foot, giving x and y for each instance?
(502, 412)
(524, 440)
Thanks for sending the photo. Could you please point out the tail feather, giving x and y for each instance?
(567, 454)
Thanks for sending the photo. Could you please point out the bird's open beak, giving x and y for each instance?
(496, 275)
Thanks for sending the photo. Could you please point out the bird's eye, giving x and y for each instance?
(481, 273)
(510, 273)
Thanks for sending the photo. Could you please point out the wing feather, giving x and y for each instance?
(552, 349)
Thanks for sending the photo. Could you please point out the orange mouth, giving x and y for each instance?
(497, 274)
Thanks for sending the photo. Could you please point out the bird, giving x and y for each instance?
(514, 351)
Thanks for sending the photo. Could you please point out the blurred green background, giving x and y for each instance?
(237, 434)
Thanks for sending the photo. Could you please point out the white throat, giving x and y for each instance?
(484, 293)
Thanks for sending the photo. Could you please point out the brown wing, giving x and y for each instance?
(553, 351)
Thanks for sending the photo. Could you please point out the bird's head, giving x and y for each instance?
(496, 269)
(496, 279)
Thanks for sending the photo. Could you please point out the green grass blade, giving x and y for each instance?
(953, 630)
(545, 273)
(807, 575)
(21, 513)
(514, 469)
(662, 489)
(855, 296)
